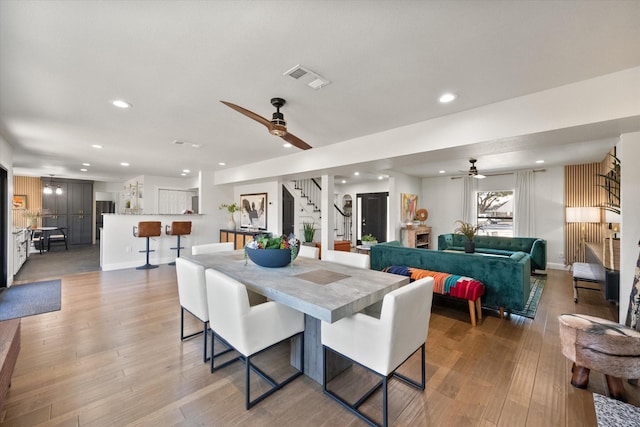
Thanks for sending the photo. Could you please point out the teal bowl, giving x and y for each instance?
(272, 258)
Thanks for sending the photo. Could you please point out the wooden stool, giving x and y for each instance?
(178, 228)
(595, 344)
(147, 229)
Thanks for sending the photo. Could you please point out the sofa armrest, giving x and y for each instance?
(539, 255)
(445, 241)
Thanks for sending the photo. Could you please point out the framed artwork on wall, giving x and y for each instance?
(409, 207)
(19, 202)
(253, 211)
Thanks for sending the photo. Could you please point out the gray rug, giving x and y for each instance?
(613, 413)
(29, 299)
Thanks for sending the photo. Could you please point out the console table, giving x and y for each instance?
(599, 257)
(239, 237)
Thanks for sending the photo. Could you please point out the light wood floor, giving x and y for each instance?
(112, 357)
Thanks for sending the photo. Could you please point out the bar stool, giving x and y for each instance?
(178, 228)
(147, 229)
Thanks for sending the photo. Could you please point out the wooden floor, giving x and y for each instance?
(112, 357)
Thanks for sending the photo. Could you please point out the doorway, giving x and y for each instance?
(288, 213)
(372, 211)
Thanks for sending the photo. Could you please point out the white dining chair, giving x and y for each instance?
(210, 248)
(309, 252)
(347, 258)
(382, 345)
(193, 297)
(249, 330)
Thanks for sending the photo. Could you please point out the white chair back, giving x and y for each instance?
(211, 248)
(406, 312)
(347, 258)
(309, 252)
(248, 329)
(192, 288)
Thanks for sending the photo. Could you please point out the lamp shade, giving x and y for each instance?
(583, 214)
(611, 217)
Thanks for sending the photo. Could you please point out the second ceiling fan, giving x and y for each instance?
(277, 125)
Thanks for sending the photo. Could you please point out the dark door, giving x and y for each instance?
(287, 212)
(373, 216)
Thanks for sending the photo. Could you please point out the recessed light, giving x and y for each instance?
(287, 145)
(447, 97)
(356, 173)
(344, 181)
(183, 174)
(86, 164)
(539, 161)
(120, 103)
(381, 177)
(96, 146)
(124, 164)
(221, 164)
(186, 170)
(83, 170)
(196, 145)
(441, 171)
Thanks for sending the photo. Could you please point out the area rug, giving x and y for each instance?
(613, 413)
(29, 299)
(537, 286)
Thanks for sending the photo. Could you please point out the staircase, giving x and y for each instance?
(309, 193)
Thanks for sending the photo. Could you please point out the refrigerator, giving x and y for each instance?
(102, 207)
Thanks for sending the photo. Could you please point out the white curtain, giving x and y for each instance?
(524, 219)
(469, 202)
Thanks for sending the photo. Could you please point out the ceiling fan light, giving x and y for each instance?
(278, 127)
(479, 176)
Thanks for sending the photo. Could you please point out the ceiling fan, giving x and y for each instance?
(473, 171)
(277, 125)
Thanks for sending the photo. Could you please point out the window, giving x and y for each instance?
(495, 213)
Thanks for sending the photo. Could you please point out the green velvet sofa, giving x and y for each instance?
(497, 245)
(507, 279)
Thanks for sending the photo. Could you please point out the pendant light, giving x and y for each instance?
(49, 188)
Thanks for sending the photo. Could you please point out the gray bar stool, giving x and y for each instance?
(147, 229)
(178, 228)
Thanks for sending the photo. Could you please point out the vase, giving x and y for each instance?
(232, 223)
(33, 222)
(469, 246)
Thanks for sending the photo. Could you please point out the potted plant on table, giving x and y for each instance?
(232, 208)
(469, 231)
(369, 240)
(268, 251)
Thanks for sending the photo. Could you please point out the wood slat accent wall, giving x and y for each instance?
(581, 189)
(32, 188)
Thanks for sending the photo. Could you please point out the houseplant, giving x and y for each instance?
(267, 251)
(309, 231)
(232, 208)
(469, 231)
(32, 217)
(369, 240)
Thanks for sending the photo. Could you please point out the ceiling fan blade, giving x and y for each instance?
(249, 114)
(295, 141)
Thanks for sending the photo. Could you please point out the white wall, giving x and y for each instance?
(401, 184)
(6, 162)
(441, 197)
(629, 153)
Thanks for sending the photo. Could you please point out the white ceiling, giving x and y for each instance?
(63, 62)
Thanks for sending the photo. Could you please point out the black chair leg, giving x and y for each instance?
(147, 266)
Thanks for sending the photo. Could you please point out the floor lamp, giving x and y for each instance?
(582, 215)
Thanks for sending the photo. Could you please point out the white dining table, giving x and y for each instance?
(322, 290)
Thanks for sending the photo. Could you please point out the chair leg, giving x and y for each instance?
(204, 331)
(147, 266)
(575, 291)
(472, 312)
(616, 388)
(580, 378)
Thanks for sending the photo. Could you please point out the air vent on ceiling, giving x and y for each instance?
(311, 78)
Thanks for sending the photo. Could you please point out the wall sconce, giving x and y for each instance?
(582, 215)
